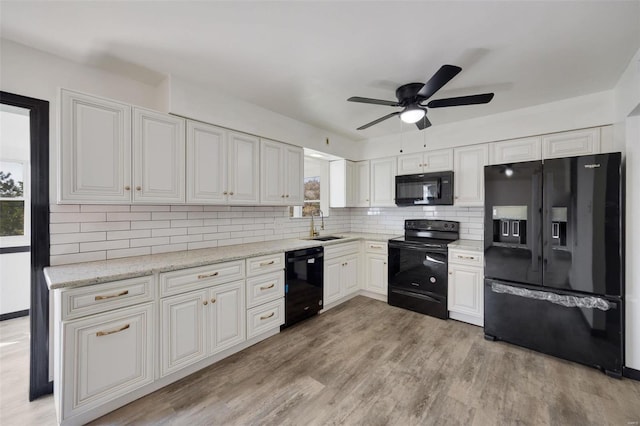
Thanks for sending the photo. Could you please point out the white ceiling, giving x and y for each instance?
(304, 59)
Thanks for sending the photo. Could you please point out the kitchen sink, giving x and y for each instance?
(327, 238)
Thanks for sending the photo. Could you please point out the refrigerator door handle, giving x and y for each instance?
(570, 301)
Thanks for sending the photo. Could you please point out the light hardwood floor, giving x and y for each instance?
(366, 362)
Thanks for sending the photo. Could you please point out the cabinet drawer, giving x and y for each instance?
(265, 317)
(83, 301)
(263, 264)
(375, 247)
(338, 250)
(265, 288)
(106, 356)
(177, 282)
(465, 257)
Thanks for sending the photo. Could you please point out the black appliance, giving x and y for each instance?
(418, 272)
(425, 189)
(553, 258)
(303, 288)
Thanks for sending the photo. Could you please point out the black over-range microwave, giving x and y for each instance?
(425, 189)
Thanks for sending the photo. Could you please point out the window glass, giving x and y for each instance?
(12, 199)
(311, 196)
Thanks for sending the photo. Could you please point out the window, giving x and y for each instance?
(13, 211)
(311, 205)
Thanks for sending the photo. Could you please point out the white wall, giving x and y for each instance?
(15, 276)
(191, 100)
(585, 111)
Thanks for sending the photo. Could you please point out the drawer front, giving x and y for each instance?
(338, 250)
(264, 264)
(83, 301)
(265, 317)
(107, 356)
(265, 288)
(375, 247)
(177, 282)
(464, 257)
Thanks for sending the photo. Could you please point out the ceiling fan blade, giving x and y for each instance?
(378, 120)
(423, 123)
(439, 79)
(372, 101)
(461, 100)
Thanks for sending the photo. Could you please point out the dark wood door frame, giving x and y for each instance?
(39, 383)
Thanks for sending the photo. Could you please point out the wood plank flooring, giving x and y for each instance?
(366, 362)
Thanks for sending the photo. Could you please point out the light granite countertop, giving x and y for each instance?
(471, 245)
(89, 273)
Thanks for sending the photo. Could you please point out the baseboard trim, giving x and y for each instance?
(631, 373)
(12, 315)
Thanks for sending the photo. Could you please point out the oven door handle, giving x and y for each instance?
(416, 295)
(423, 249)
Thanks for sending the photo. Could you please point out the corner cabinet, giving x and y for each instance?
(466, 286)
(281, 173)
(468, 178)
(383, 181)
(95, 150)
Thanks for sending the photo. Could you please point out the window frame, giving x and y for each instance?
(24, 239)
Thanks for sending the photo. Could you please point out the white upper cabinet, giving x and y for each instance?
(570, 144)
(425, 162)
(244, 169)
(206, 163)
(362, 186)
(95, 162)
(343, 184)
(468, 178)
(158, 157)
(383, 175)
(281, 173)
(515, 150)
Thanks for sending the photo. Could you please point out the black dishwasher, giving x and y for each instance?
(303, 290)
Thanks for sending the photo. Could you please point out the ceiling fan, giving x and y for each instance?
(411, 97)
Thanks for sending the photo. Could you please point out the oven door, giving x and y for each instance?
(418, 279)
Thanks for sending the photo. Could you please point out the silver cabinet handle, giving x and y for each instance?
(375, 246)
(267, 263)
(267, 287)
(111, 296)
(466, 257)
(267, 316)
(117, 330)
(214, 274)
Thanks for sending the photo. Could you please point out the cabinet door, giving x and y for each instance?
(206, 164)
(272, 172)
(516, 150)
(410, 163)
(226, 320)
(437, 161)
(376, 273)
(363, 187)
(106, 356)
(95, 148)
(466, 290)
(294, 178)
(469, 175)
(349, 277)
(158, 157)
(571, 144)
(351, 184)
(182, 334)
(332, 280)
(244, 169)
(383, 182)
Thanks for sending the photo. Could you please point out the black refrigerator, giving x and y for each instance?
(553, 258)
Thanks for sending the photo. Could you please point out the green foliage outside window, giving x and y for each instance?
(11, 211)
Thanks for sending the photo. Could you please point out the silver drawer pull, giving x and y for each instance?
(118, 330)
(268, 316)
(267, 287)
(374, 246)
(111, 296)
(214, 274)
(268, 263)
(466, 257)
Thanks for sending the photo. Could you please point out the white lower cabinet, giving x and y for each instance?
(201, 323)
(265, 317)
(341, 271)
(376, 268)
(466, 287)
(106, 356)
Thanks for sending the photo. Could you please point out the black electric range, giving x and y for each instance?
(418, 268)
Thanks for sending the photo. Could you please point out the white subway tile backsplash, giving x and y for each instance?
(149, 208)
(167, 232)
(63, 228)
(77, 237)
(126, 235)
(202, 244)
(154, 241)
(64, 249)
(187, 208)
(150, 224)
(186, 223)
(168, 215)
(91, 208)
(76, 217)
(104, 226)
(128, 252)
(104, 245)
(168, 248)
(77, 258)
(64, 208)
(119, 216)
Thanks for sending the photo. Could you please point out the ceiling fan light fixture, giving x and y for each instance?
(412, 115)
